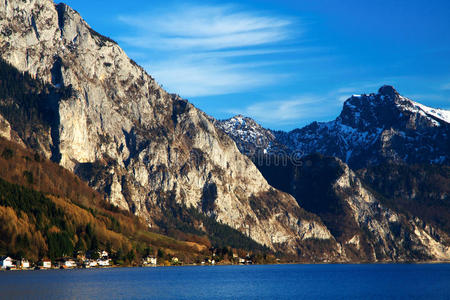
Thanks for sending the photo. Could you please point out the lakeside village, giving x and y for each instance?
(101, 259)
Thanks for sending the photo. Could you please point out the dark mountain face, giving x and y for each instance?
(310, 182)
(418, 190)
(368, 223)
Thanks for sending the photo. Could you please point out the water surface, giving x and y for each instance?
(387, 281)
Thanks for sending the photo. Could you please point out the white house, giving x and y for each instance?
(103, 262)
(6, 262)
(150, 260)
(70, 263)
(92, 263)
(46, 264)
(24, 264)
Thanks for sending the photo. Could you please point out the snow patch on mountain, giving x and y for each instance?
(441, 114)
(248, 135)
(371, 128)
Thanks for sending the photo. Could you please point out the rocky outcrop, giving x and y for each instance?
(249, 136)
(8, 133)
(115, 127)
(389, 234)
(5, 128)
(360, 219)
(419, 190)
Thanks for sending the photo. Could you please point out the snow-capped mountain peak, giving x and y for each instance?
(371, 128)
(386, 109)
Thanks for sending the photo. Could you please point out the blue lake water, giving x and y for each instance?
(378, 281)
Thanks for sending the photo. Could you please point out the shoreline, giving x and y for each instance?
(243, 265)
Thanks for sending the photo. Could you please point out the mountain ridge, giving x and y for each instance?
(371, 129)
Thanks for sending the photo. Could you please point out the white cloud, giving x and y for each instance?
(445, 86)
(242, 39)
(292, 112)
(206, 28)
(200, 50)
(196, 78)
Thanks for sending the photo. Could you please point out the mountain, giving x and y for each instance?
(97, 113)
(249, 136)
(395, 207)
(367, 224)
(72, 96)
(421, 190)
(377, 128)
(48, 212)
(371, 129)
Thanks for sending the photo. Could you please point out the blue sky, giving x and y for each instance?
(284, 63)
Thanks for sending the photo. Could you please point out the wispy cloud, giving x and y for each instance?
(191, 78)
(206, 28)
(205, 50)
(294, 112)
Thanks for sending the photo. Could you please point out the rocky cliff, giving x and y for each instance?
(367, 224)
(103, 117)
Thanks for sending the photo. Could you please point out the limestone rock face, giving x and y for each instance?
(5, 128)
(365, 228)
(389, 235)
(8, 133)
(120, 131)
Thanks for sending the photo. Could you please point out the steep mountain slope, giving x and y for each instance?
(46, 211)
(368, 226)
(371, 129)
(103, 117)
(419, 190)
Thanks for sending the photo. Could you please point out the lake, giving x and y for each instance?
(387, 281)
